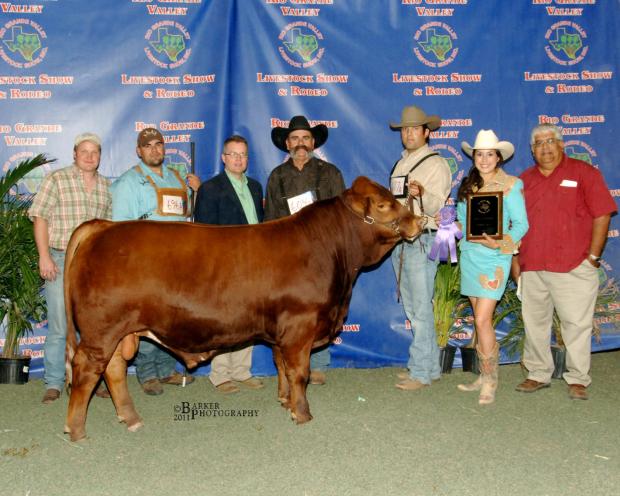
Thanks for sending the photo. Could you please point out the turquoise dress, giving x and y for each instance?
(485, 271)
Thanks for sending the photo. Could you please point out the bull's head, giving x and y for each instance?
(375, 205)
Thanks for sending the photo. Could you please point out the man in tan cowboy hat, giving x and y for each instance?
(153, 191)
(302, 179)
(425, 176)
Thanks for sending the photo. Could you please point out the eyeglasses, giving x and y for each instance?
(548, 141)
(236, 155)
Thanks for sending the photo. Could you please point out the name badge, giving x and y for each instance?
(296, 203)
(398, 186)
(172, 205)
(567, 183)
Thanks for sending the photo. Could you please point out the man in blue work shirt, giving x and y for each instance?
(152, 191)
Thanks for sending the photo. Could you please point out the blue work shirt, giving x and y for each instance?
(133, 196)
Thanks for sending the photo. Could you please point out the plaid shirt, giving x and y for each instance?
(64, 203)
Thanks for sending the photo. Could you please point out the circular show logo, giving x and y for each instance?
(434, 44)
(31, 182)
(300, 44)
(566, 43)
(454, 159)
(581, 151)
(22, 43)
(168, 44)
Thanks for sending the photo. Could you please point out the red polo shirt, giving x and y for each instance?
(560, 209)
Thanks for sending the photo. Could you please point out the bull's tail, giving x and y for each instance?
(79, 235)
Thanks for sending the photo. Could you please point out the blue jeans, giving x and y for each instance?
(417, 286)
(319, 360)
(55, 341)
(153, 362)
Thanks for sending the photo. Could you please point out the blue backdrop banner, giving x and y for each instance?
(200, 70)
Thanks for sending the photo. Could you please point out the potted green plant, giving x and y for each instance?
(447, 299)
(21, 300)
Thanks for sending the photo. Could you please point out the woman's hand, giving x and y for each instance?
(489, 242)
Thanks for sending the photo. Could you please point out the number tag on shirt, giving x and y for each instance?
(398, 186)
(173, 205)
(296, 203)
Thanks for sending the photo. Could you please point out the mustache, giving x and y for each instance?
(298, 148)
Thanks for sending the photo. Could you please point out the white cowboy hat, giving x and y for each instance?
(487, 140)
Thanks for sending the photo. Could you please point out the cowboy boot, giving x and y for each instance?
(488, 375)
(474, 386)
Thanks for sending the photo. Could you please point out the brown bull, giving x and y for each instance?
(197, 289)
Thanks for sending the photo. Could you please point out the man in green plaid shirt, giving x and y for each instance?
(67, 198)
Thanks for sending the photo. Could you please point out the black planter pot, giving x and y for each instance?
(559, 361)
(14, 370)
(469, 358)
(446, 358)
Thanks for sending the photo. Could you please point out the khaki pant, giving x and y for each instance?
(573, 295)
(233, 366)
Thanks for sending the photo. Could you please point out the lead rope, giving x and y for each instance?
(410, 199)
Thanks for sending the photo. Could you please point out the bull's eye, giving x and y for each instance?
(381, 206)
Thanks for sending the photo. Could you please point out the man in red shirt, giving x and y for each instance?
(568, 208)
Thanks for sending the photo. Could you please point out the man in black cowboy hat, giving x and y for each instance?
(301, 180)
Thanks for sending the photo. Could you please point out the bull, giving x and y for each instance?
(197, 289)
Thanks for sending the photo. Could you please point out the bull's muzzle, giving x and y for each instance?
(410, 226)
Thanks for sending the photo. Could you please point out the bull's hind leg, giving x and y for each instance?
(284, 394)
(297, 367)
(86, 374)
(116, 378)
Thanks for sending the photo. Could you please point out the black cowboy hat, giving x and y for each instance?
(279, 134)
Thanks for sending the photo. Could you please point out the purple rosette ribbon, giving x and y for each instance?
(447, 234)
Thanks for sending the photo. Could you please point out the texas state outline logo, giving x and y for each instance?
(300, 44)
(167, 44)
(435, 44)
(22, 43)
(581, 151)
(566, 43)
(178, 160)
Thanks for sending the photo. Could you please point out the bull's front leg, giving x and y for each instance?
(116, 378)
(85, 375)
(297, 368)
(284, 395)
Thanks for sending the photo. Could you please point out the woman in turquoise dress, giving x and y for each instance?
(485, 264)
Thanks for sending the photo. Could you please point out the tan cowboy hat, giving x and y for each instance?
(487, 140)
(414, 116)
(279, 134)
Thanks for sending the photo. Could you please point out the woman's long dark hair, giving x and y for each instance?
(473, 178)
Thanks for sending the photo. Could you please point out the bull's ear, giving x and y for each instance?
(355, 201)
(360, 184)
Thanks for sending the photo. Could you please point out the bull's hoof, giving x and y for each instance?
(136, 426)
(133, 424)
(301, 418)
(132, 420)
(75, 436)
(285, 402)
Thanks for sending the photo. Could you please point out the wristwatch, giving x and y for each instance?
(594, 258)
